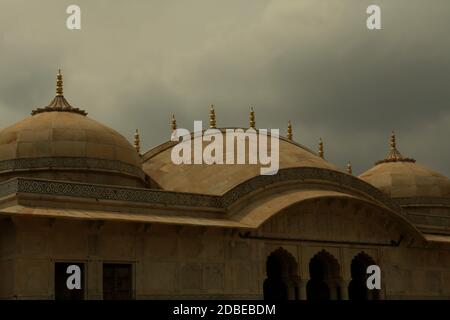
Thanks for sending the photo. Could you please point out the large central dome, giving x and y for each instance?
(60, 142)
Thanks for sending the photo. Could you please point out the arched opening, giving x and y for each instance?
(357, 289)
(324, 283)
(282, 280)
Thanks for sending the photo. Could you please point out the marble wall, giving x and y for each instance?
(171, 261)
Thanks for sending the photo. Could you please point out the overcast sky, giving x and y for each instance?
(134, 63)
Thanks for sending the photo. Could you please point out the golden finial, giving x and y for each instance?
(252, 118)
(59, 84)
(289, 130)
(212, 117)
(59, 103)
(137, 141)
(349, 168)
(394, 155)
(393, 144)
(174, 123)
(321, 148)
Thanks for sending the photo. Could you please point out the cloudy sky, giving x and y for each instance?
(136, 62)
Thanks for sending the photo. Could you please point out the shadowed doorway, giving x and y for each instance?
(282, 279)
(324, 278)
(357, 289)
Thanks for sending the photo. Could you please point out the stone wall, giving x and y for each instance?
(172, 261)
(7, 258)
(168, 261)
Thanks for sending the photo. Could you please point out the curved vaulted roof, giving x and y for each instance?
(219, 178)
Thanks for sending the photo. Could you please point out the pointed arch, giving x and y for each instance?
(357, 289)
(282, 276)
(325, 279)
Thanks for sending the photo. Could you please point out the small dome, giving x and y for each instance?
(60, 142)
(401, 177)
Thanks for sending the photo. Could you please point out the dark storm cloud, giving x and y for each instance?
(313, 62)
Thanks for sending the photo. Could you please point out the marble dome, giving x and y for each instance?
(401, 177)
(61, 142)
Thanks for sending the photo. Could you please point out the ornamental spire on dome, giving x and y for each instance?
(289, 130)
(137, 141)
(174, 123)
(252, 118)
(349, 168)
(394, 155)
(59, 84)
(212, 117)
(59, 103)
(321, 153)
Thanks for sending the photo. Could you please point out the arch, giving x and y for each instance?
(274, 199)
(324, 283)
(282, 279)
(251, 198)
(357, 289)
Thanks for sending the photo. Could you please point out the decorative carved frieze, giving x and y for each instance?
(104, 192)
(69, 163)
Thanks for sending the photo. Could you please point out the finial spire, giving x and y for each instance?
(289, 130)
(321, 153)
(137, 141)
(212, 117)
(59, 103)
(174, 123)
(59, 84)
(394, 155)
(349, 168)
(252, 118)
(393, 143)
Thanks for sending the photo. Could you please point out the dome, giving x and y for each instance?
(401, 177)
(217, 179)
(60, 142)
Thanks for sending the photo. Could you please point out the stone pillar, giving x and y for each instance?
(293, 286)
(344, 289)
(382, 293)
(333, 286)
(302, 289)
